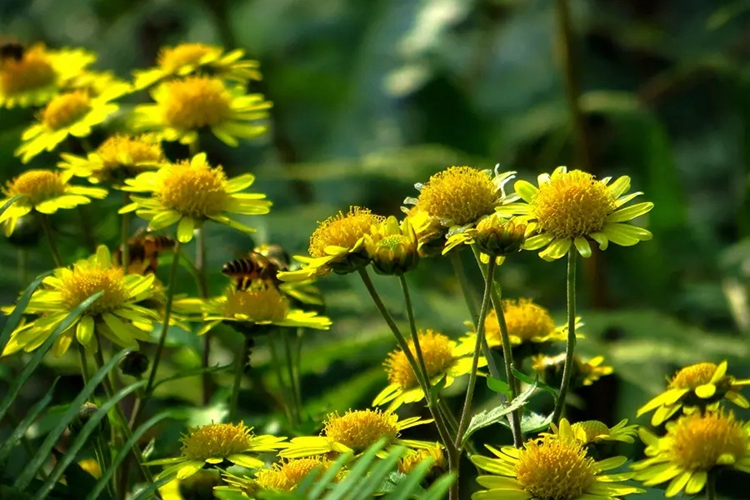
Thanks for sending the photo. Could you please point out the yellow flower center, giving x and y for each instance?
(555, 469)
(65, 109)
(216, 441)
(697, 441)
(38, 185)
(126, 152)
(287, 475)
(85, 281)
(172, 59)
(438, 356)
(592, 428)
(256, 304)
(31, 72)
(197, 191)
(342, 230)
(395, 242)
(572, 204)
(525, 319)
(458, 194)
(361, 428)
(410, 461)
(196, 102)
(693, 376)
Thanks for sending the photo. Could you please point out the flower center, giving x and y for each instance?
(287, 475)
(197, 102)
(555, 469)
(172, 59)
(196, 190)
(342, 230)
(410, 461)
(572, 204)
(361, 428)
(38, 185)
(693, 376)
(31, 72)
(216, 441)
(84, 282)
(459, 195)
(65, 109)
(436, 350)
(697, 441)
(525, 321)
(125, 152)
(592, 428)
(395, 242)
(256, 304)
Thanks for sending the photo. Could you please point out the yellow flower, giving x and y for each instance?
(257, 305)
(392, 247)
(460, 196)
(188, 193)
(494, 236)
(190, 58)
(91, 466)
(118, 158)
(412, 459)
(214, 444)
(593, 431)
(287, 475)
(569, 208)
(550, 468)
(39, 75)
(698, 386)
(200, 485)
(355, 431)
(429, 231)
(185, 106)
(73, 113)
(115, 314)
(693, 446)
(338, 245)
(43, 191)
(441, 360)
(585, 373)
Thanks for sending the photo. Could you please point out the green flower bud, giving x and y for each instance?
(392, 247)
(85, 412)
(496, 236)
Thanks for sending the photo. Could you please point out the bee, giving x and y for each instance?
(254, 267)
(10, 49)
(143, 250)
(276, 255)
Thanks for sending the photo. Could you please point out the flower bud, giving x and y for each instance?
(496, 236)
(430, 232)
(392, 247)
(134, 363)
(85, 412)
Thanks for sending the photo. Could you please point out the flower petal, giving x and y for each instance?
(583, 247)
(620, 186)
(185, 229)
(556, 250)
(625, 234)
(525, 190)
(629, 213)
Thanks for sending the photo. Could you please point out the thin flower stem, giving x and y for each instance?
(125, 236)
(483, 310)
(288, 358)
(571, 344)
(466, 289)
(239, 371)
(711, 485)
(84, 364)
(296, 366)
(200, 265)
(51, 238)
(101, 458)
(413, 327)
(276, 360)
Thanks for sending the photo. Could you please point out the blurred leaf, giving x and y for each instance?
(487, 418)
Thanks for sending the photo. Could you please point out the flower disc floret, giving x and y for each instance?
(459, 195)
(526, 320)
(437, 350)
(555, 469)
(591, 429)
(172, 59)
(693, 376)
(86, 281)
(66, 109)
(700, 442)
(196, 191)
(38, 185)
(360, 429)
(287, 475)
(261, 304)
(216, 441)
(33, 71)
(344, 230)
(197, 102)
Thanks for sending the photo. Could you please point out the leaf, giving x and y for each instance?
(440, 487)
(19, 382)
(535, 382)
(190, 373)
(45, 448)
(148, 492)
(356, 473)
(499, 386)
(487, 418)
(15, 317)
(409, 485)
(532, 423)
(377, 475)
(20, 431)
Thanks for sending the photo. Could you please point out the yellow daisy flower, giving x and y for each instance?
(355, 431)
(185, 106)
(214, 444)
(115, 314)
(286, 475)
(441, 360)
(189, 58)
(550, 468)
(494, 236)
(43, 191)
(338, 245)
(39, 75)
(585, 373)
(392, 247)
(73, 113)
(698, 386)
(118, 158)
(593, 431)
(429, 231)
(412, 459)
(190, 192)
(569, 208)
(694, 446)
(256, 305)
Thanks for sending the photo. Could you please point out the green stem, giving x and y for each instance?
(276, 360)
(414, 334)
(51, 238)
(296, 367)
(466, 289)
(239, 371)
(84, 364)
(711, 485)
(200, 265)
(289, 361)
(571, 344)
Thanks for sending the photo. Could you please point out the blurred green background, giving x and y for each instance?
(373, 96)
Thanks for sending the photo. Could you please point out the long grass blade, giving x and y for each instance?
(321, 485)
(20, 431)
(377, 475)
(439, 488)
(147, 493)
(15, 317)
(406, 488)
(356, 474)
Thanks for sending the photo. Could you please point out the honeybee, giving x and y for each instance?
(254, 267)
(10, 49)
(143, 250)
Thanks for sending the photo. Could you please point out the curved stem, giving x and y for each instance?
(276, 360)
(413, 327)
(571, 344)
(51, 238)
(289, 360)
(239, 371)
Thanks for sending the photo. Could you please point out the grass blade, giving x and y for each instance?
(356, 474)
(439, 488)
(405, 488)
(19, 382)
(46, 447)
(10, 202)
(376, 475)
(20, 431)
(15, 317)
(147, 492)
(324, 481)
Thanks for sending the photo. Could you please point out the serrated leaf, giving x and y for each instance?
(495, 415)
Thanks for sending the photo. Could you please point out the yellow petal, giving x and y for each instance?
(705, 391)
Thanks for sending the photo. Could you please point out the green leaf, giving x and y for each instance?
(190, 373)
(499, 386)
(20, 431)
(148, 492)
(10, 202)
(15, 317)
(50, 441)
(535, 382)
(409, 484)
(532, 423)
(377, 475)
(440, 488)
(356, 473)
(487, 418)
(19, 382)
